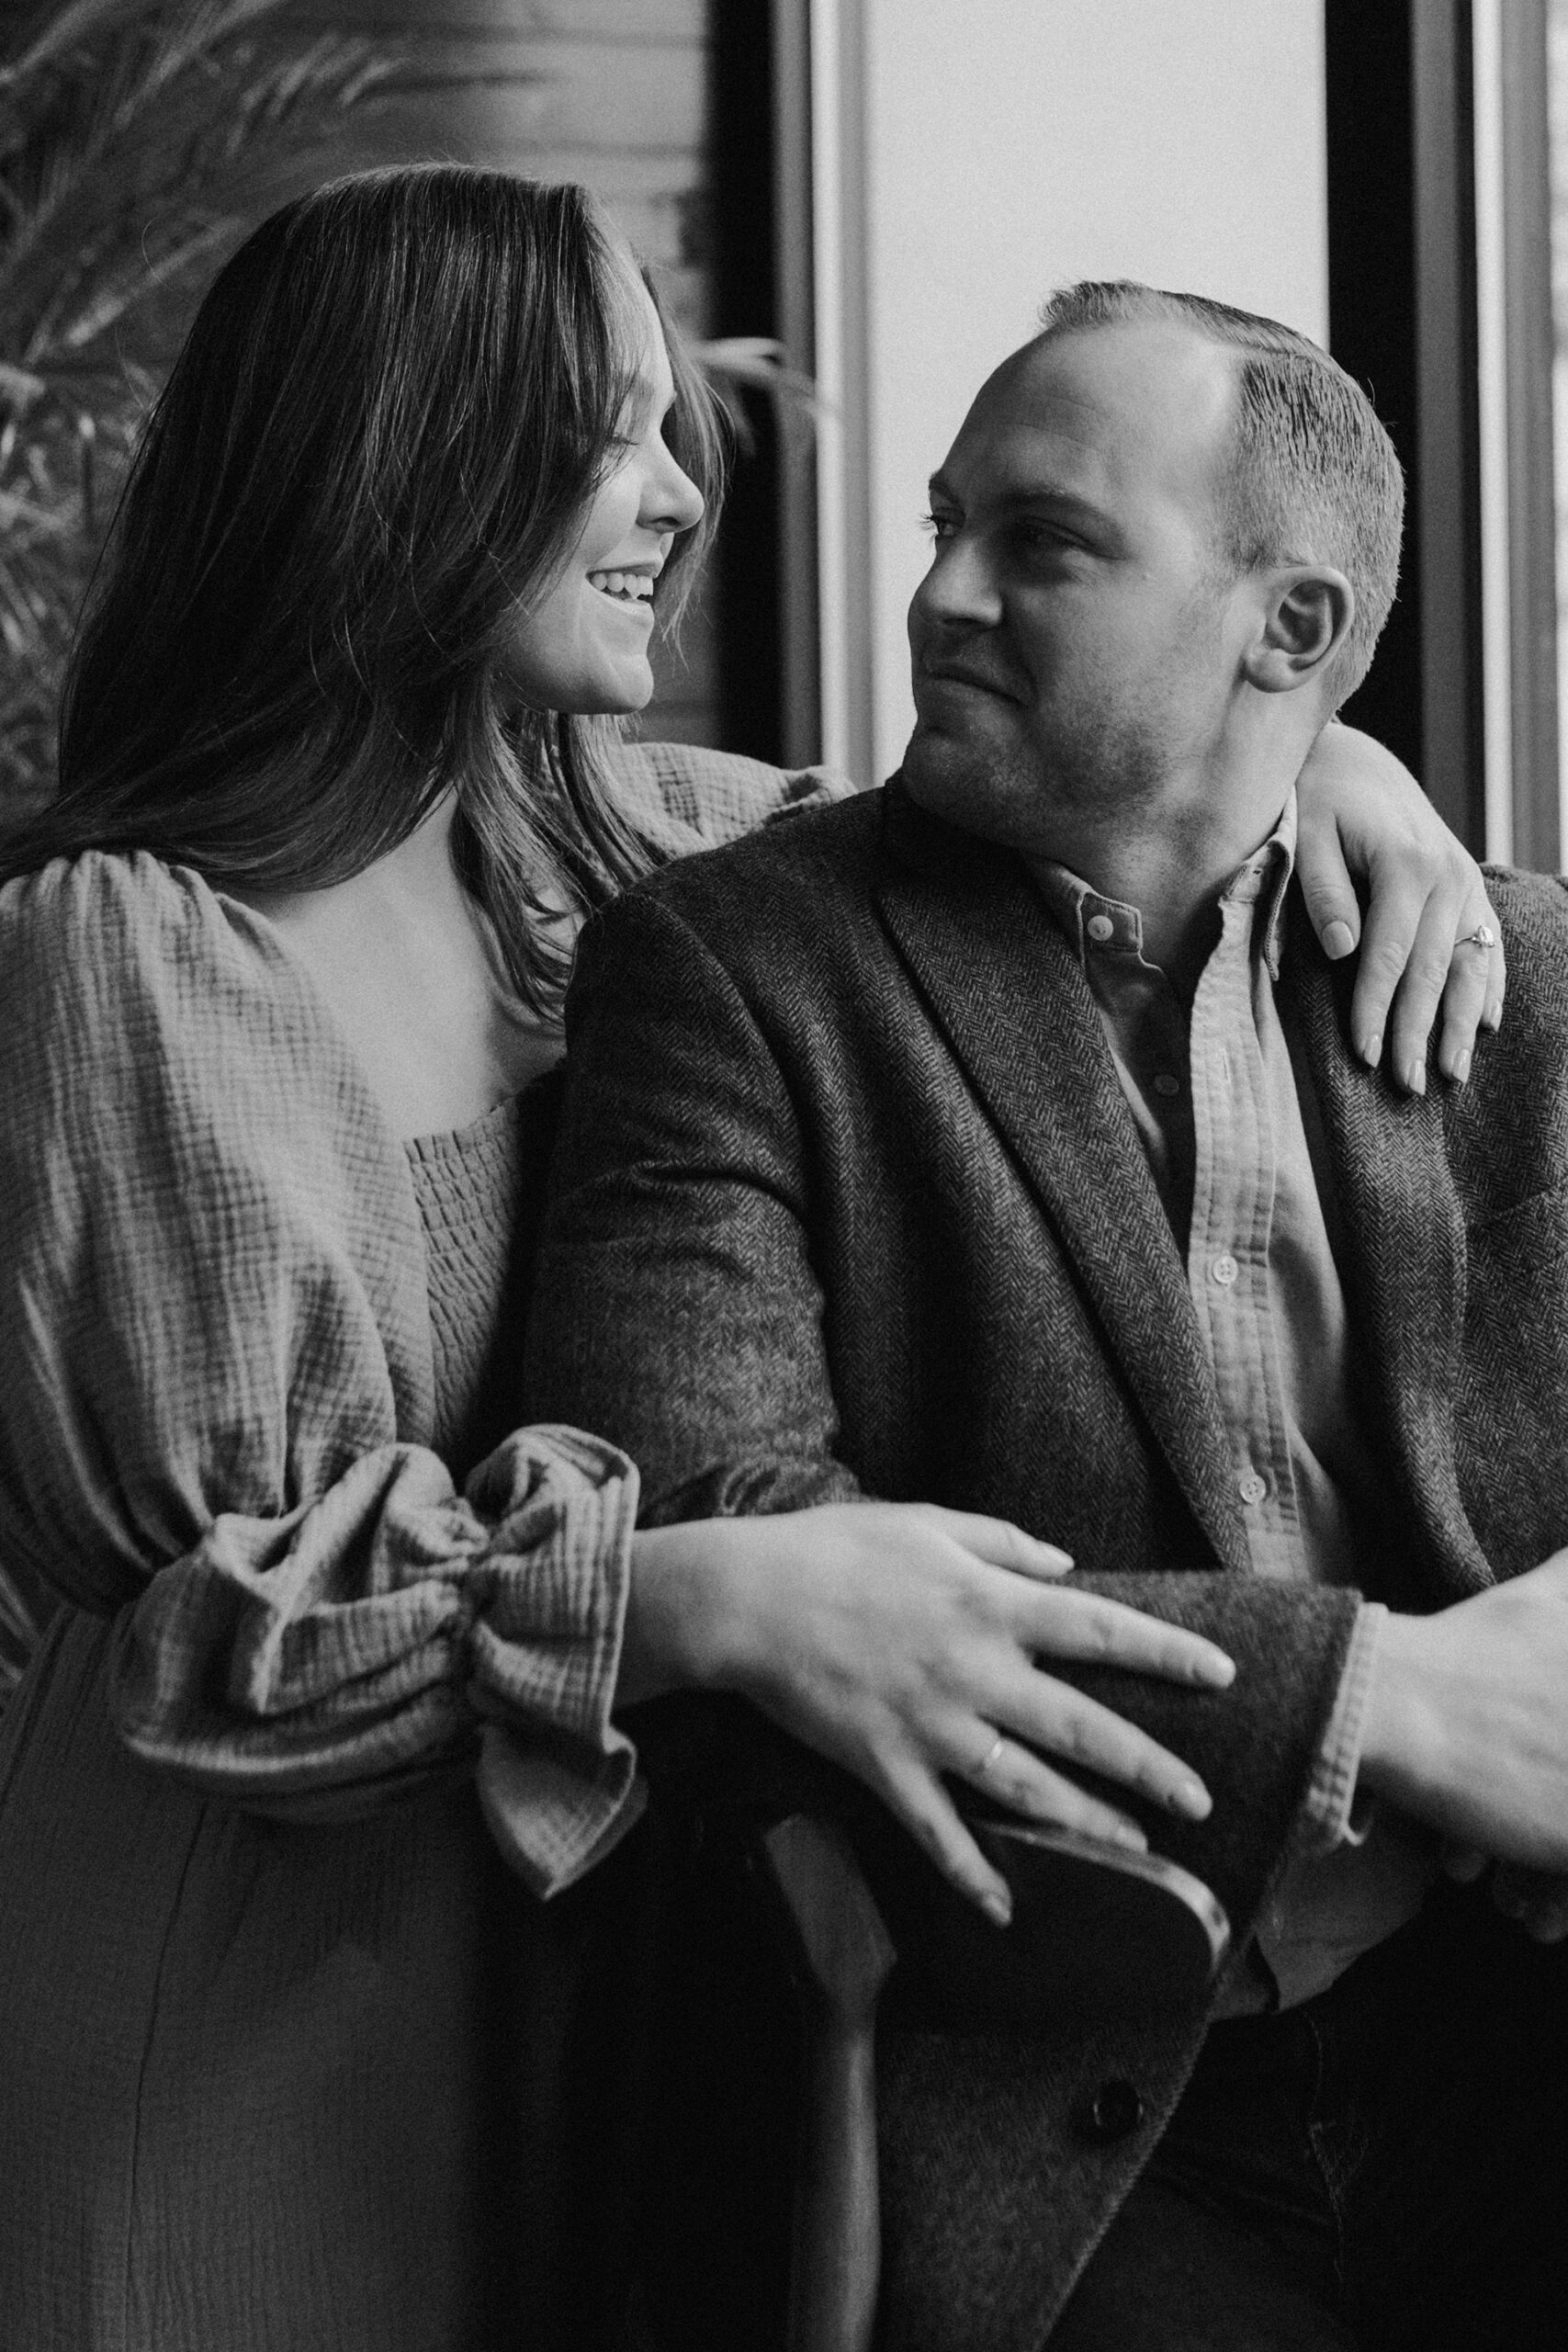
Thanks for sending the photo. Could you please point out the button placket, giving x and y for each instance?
(1232, 1211)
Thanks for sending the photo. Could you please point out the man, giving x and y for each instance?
(994, 1141)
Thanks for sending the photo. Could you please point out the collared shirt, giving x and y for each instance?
(1227, 1120)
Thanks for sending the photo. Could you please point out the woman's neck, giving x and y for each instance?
(410, 966)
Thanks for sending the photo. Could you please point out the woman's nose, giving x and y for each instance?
(672, 501)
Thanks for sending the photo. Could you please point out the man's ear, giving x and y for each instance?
(1305, 618)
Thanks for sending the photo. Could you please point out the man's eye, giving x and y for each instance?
(1045, 539)
(939, 526)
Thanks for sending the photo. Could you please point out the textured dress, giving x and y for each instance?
(291, 2051)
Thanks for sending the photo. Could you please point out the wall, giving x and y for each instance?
(1009, 146)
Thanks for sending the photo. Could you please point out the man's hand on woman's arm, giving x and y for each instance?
(1364, 819)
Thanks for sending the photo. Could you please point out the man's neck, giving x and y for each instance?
(1172, 871)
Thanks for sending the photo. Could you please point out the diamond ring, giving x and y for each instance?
(1481, 936)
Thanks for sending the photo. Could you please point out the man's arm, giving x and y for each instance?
(679, 1314)
(675, 1307)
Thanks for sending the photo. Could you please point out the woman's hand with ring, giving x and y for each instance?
(1363, 817)
(903, 1640)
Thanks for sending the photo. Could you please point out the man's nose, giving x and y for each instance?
(960, 589)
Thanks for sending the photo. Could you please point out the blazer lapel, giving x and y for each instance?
(1407, 1250)
(1005, 990)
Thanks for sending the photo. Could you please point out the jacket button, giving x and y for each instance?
(1113, 2110)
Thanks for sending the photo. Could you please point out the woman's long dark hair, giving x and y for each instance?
(392, 410)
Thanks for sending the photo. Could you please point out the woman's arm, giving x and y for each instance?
(215, 1371)
(1364, 819)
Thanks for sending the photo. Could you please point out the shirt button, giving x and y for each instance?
(1224, 1271)
(1100, 927)
(1167, 1085)
(1251, 1488)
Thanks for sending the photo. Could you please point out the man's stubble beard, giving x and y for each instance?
(1040, 798)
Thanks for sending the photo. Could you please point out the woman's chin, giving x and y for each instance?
(630, 691)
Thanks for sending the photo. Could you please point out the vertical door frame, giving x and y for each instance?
(842, 305)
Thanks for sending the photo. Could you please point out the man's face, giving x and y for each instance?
(1076, 641)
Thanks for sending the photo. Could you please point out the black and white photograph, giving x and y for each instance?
(783, 1176)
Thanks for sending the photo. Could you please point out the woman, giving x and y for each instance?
(281, 2038)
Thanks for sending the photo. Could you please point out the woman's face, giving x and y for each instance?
(582, 646)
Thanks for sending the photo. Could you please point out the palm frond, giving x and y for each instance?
(139, 139)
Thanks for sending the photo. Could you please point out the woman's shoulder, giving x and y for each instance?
(131, 984)
(714, 796)
(107, 938)
(104, 915)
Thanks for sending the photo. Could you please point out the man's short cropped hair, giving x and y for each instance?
(1313, 475)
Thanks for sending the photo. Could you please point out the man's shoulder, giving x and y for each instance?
(1534, 910)
(1507, 1128)
(794, 868)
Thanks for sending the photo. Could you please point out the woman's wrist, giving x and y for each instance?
(678, 1634)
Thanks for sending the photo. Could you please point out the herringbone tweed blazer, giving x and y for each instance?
(848, 1199)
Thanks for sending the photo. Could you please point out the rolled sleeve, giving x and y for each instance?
(1330, 1816)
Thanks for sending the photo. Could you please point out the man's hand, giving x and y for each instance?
(1467, 1725)
(1364, 818)
(1536, 1899)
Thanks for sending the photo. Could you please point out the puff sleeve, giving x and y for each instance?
(216, 1389)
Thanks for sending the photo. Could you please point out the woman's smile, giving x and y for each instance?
(628, 587)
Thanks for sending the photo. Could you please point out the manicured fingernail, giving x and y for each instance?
(1216, 1668)
(998, 1908)
(1370, 1050)
(1415, 1078)
(1192, 1797)
(1493, 1018)
(1462, 1067)
(1338, 939)
(1127, 1833)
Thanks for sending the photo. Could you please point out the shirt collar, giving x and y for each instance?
(1100, 926)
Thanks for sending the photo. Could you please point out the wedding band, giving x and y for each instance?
(990, 1757)
(1481, 936)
